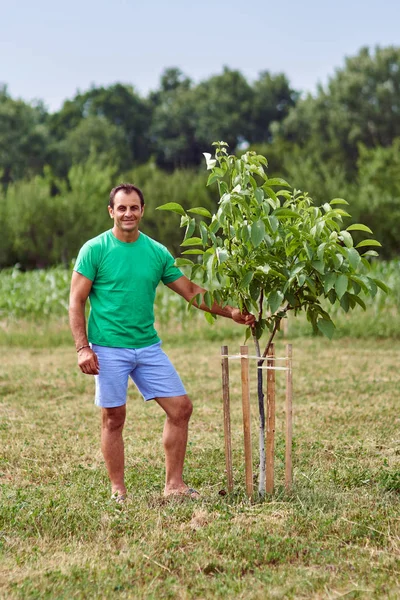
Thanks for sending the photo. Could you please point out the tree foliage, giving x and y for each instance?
(360, 105)
(268, 249)
(24, 138)
(341, 142)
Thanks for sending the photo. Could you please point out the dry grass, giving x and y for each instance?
(336, 535)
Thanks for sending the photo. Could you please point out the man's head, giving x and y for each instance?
(126, 188)
(126, 207)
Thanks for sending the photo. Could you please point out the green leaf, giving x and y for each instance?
(259, 195)
(301, 278)
(360, 282)
(208, 299)
(274, 223)
(276, 273)
(371, 253)
(193, 241)
(360, 302)
(193, 251)
(270, 193)
(291, 298)
(197, 300)
(338, 201)
(203, 233)
(329, 281)
(346, 237)
(321, 250)
(182, 262)
(277, 181)
(309, 251)
(222, 255)
(341, 285)
(275, 299)
(327, 328)
(210, 318)
(341, 212)
(356, 287)
(199, 210)
(382, 285)
(372, 286)
(254, 290)
(345, 302)
(337, 260)
(319, 266)
(245, 234)
(311, 285)
(358, 227)
(190, 228)
(257, 233)
(353, 257)
(368, 243)
(247, 279)
(213, 177)
(286, 212)
(332, 296)
(172, 207)
(297, 268)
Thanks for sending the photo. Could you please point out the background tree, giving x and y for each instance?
(173, 128)
(361, 104)
(117, 108)
(223, 109)
(24, 138)
(98, 136)
(272, 99)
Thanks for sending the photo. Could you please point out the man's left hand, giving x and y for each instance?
(242, 318)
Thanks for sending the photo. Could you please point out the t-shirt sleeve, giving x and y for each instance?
(86, 262)
(171, 272)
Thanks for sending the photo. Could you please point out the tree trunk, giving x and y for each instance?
(261, 410)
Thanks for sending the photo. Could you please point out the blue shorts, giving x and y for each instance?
(150, 369)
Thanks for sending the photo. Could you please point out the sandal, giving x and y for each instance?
(118, 498)
(189, 493)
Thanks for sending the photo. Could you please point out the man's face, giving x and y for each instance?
(127, 211)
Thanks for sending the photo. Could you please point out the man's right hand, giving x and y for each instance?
(88, 362)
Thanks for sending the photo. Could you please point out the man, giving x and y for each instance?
(119, 271)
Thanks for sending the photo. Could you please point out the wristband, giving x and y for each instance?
(82, 347)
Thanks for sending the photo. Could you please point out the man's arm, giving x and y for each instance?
(80, 288)
(188, 290)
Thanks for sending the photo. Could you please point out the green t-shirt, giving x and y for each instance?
(125, 277)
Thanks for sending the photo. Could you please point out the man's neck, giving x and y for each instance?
(126, 236)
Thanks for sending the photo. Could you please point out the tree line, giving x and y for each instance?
(56, 169)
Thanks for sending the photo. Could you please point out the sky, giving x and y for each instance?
(50, 50)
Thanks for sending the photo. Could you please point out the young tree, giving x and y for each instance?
(269, 250)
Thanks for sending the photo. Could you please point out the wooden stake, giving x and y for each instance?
(244, 351)
(227, 416)
(289, 419)
(270, 441)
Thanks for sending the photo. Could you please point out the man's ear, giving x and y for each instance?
(110, 212)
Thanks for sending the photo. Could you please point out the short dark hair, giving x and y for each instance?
(127, 188)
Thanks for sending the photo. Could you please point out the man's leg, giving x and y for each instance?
(178, 410)
(112, 446)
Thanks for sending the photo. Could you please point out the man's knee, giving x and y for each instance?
(113, 418)
(186, 409)
(178, 409)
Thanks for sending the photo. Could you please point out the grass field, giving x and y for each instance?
(336, 536)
